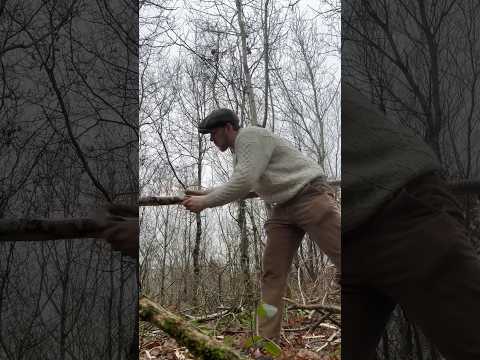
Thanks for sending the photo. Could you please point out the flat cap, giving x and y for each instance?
(217, 118)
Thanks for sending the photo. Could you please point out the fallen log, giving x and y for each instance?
(199, 344)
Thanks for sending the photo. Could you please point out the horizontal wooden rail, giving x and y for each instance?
(172, 200)
(47, 229)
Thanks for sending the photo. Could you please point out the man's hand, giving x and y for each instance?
(121, 228)
(195, 203)
(196, 192)
(124, 237)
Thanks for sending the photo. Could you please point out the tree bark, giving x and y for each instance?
(198, 231)
(266, 57)
(244, 250)
(248, 76)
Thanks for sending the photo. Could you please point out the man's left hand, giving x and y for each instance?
(195, 203)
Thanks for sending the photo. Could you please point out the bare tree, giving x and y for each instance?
(68, 116)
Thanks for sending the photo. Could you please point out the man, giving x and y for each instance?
(291, 183)
(403, 239)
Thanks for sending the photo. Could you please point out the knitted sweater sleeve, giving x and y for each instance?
(253, 154)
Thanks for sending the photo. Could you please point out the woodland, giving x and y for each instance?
(277, 65)
(99, 105)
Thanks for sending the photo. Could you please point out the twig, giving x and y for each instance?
(329, 340)
(310, 327)
(209, 317)
(329, 308)
(306, 328)
(300, 284)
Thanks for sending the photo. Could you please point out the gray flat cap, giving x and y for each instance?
(217, 118)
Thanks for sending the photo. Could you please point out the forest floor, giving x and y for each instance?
(305, 337)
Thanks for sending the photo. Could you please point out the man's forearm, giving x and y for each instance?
(250, 195)
(196, 192)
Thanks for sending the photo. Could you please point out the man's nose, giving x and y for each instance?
(211, 137)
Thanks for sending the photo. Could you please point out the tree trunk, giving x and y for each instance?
(248, 77)
(196, 259)
(244, 249)
(198, 232)
(266, 57)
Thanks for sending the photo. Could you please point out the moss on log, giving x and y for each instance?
(199, 344)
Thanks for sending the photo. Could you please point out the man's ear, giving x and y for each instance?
(230, 127)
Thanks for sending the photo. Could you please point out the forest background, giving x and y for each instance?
(277, 64)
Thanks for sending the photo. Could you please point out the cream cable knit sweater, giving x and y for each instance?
(267, 164)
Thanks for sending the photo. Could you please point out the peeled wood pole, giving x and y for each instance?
(200, 345)
(172, 200)
(43, 229)
(159, 200)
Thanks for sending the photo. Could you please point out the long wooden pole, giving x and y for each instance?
(47, 229)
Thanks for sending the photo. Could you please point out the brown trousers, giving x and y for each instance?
(313, 211)
(415, 253)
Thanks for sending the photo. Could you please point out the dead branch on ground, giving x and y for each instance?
(328, 308)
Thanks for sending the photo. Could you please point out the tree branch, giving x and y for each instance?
(328, 308)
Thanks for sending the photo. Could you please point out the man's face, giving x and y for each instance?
(219, 138)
